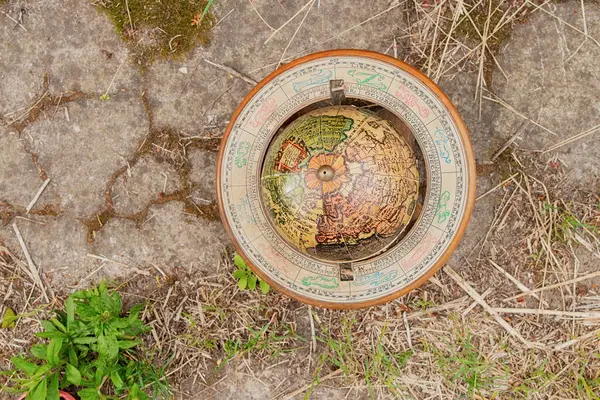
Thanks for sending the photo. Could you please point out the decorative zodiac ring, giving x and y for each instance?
(439, 132)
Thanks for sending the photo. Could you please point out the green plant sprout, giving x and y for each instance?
(91, 349)
(246, 278)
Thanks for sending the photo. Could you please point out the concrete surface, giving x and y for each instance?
(84, 146)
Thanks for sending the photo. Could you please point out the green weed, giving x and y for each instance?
(376, 364)
(263, 340)
(246, 278)
(532, 383)
(567, 223)
(92, 348)
(588, 385)
(422, 304)
(466, 365)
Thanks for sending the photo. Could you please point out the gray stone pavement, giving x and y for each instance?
(163, 216)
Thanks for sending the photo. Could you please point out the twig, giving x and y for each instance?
(475, 296)
(286, 22)
(312, 329)
(496, 187)
(304, 388)
(92, 273)
(557, 285)
(179, 309)
(209, 108)
(30, 108)
(312, 2)
(134, 269)
(562, 346)
(32, 268)
(585, 30)
(171, 42)
(512, 109)
(517, 283)
(474, 304)
(17, 262)
(129, 14)
(37, 195)
(222, 19)
(31, 220)
(509, 141)
(444, 307)
(586, 244)
(573, 138)
(232, 72)
(15, 21)
(407, 327)
(319, 45)
(260, 16)
(574, 291)
(113, 78)
(558, 313)
(169, 292)
(529, 2)
(160, 270)
(419, 314)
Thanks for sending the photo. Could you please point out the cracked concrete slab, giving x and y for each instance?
(58, 248)
(145, 181)
(203, 173)
(168, 237)
(80, 154)
(68, 40)
(84, 146)
(20, 179)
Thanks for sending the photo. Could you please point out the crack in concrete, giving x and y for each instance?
(165, 145)
(43, 103)
(8, 211)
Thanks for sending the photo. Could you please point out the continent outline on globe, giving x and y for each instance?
(370, 162)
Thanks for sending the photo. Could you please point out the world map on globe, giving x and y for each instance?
(340, 184)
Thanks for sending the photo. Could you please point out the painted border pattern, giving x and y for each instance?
(439, 132)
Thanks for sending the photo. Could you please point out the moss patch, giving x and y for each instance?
(160, 28)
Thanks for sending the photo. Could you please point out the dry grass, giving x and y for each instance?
(436, 342)
(206, 326)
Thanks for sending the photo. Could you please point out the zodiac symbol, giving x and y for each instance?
(321, 281)
(263, 113)
(274, 257)
(442, 212)
(320, 77)
(245, 211)
(242, 152)
(375, 279)
(441, 143)
(370, 79)
(408, 98)
(424, 247)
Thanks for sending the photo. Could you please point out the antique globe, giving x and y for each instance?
(339, 184)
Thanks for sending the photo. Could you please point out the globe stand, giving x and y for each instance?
(330, 223)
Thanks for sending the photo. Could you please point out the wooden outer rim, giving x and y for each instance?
(470, 161)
